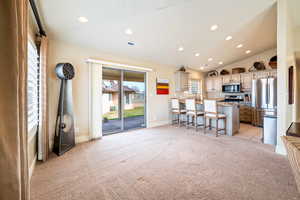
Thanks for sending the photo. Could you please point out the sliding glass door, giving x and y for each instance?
(133, 99)
(123, 100)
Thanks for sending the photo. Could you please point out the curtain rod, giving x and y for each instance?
(37, 18)
(89, 60)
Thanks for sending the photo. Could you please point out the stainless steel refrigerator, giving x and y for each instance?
(263, 99)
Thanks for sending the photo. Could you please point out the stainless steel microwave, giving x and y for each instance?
(231, 88)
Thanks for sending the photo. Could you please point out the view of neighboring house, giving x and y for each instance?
(133, 98)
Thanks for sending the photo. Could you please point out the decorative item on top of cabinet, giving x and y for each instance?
(238, 70)
(224, 72)
(273, 62)
(213, 73)
(181, 81)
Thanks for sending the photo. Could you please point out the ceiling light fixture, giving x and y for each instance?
(128, 31)
(210, 59)
(197, 54)
(220, 63)
(214, 27)
(239, 46)
(228, 37)
(180, 49)
(248, 51)
(202, 68)
(82, 19)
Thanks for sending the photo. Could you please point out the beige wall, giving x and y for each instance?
(286, 46)
(158, 105)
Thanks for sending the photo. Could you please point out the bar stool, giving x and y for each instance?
(211, 112)
(177, 111)
(191, 111)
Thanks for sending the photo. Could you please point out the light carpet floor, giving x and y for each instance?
(166, 163)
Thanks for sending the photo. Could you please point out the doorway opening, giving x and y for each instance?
(123, 100)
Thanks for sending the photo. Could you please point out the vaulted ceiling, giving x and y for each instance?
(160, 27)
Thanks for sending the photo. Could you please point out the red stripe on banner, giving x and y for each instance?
(162, 91)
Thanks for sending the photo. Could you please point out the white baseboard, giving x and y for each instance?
(32, 166)
(82, 138)
(158, 123)
(281, 150)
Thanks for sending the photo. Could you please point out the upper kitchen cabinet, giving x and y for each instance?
(226, 79)
(260, 74)
(273, 73)
(181, 81)
(246, 81)
(214, 84)
(233, 78)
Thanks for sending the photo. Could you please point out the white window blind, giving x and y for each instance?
(195, 86)
(32, 86)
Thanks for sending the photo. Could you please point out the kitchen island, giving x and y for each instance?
(231, 110)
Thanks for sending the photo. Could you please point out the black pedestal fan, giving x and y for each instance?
(64, 138)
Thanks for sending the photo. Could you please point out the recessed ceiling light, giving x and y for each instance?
(228, 37)
(128, 31)
(239, 46)
(197, 54)
(180, 49)
(82, 19)
(210, 59)
(220, 63)
(214, 27)
(248, 51)
(130, 43)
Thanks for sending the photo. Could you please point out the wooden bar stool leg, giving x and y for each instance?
(225, 126)
(204, 124)
(187, 122)
(217, 127)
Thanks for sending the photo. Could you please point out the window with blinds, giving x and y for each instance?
(32, 86)
(195, 86)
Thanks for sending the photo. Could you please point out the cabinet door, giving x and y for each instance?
(226, 79)
(235, 78)
(273, 73)
(209, 84)
(246, 80)
(260, 74)
(218, 84)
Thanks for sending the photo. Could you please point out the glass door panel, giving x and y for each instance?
(111, 101)
(134, 88)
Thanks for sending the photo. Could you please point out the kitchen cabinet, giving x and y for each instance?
(273, 73)
(260, 74)
(245, 113)
(226, 79)
(233, 78)
(246, 81)
(213, 84)
(181, 81)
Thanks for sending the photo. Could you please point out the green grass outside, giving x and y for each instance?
(138, 111)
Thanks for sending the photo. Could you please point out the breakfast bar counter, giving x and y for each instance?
(231, 110)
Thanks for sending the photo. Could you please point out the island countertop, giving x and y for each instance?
(231, 110)
(224, 104)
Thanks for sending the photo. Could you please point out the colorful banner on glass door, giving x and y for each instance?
(162, 86)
